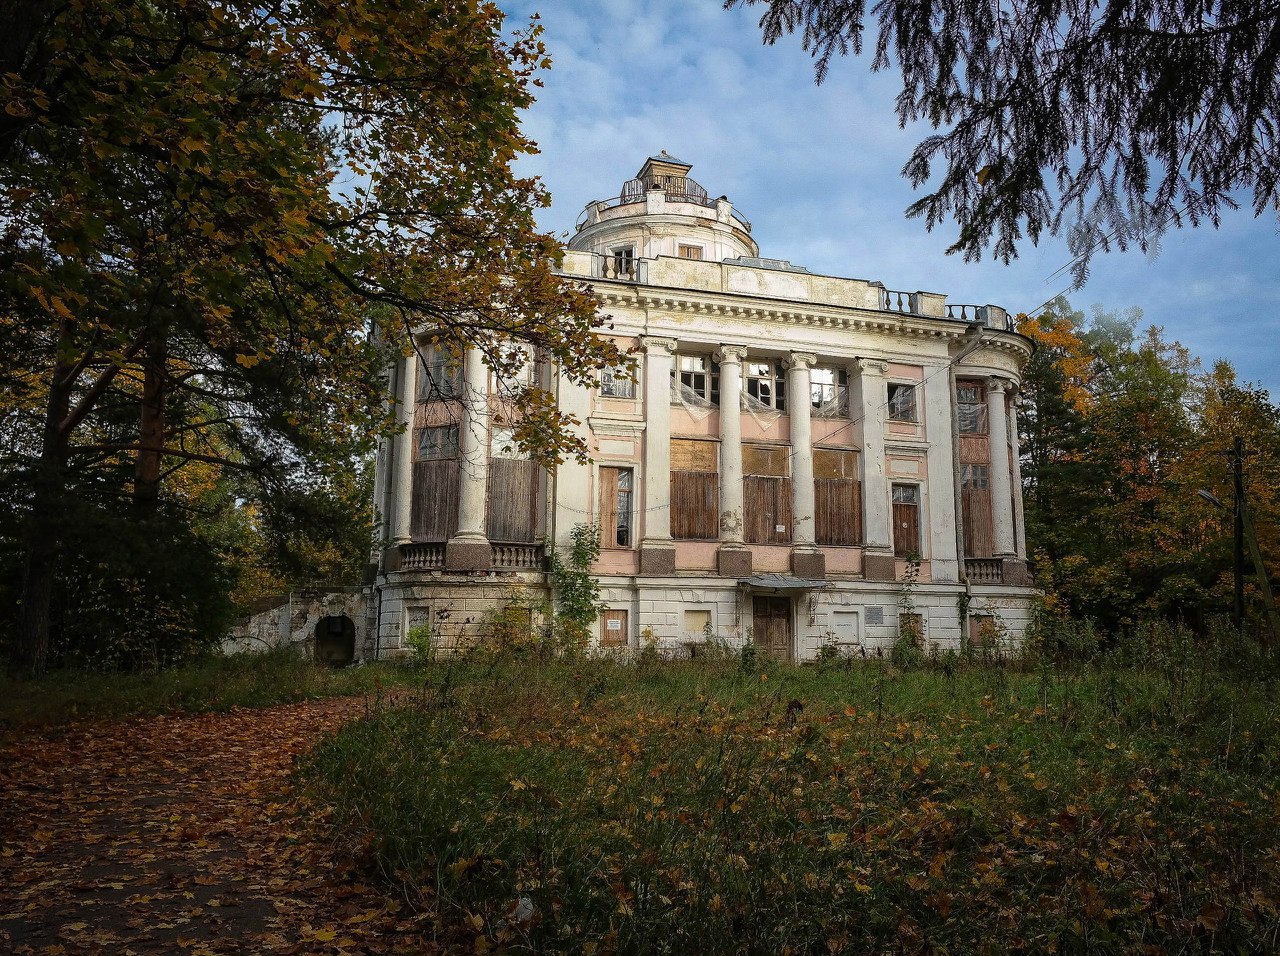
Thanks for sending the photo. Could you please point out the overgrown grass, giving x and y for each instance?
(208, 684)
(1125, 805)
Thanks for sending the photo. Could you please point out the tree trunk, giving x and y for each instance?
(29, 654)
(146, 476)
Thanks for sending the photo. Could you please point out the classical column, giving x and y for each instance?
(870, 408)
(1001, 492)
(733, 559)
(806, 560)
(943, 549)
(402, 481)
(1016, 451)
(469, 548)
(657, 553)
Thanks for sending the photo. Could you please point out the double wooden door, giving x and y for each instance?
(771, 625)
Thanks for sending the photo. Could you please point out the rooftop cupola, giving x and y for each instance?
(662, 212)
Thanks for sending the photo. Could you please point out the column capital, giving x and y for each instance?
(654, 344)
(731, 354)
(869, 366)
(999, 385)
(801, 360)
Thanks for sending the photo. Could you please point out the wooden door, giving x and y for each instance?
(771, 625)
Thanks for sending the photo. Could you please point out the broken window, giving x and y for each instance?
(615, 507)
(766, 385)
(837, 497)
(902, 403)
(695, 490)
(971, 408)
(829, 392)
(695, 380)
(906, 521)
(766, 494)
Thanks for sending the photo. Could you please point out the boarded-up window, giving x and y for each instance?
(697, 625)
(613, 629)
(837, 496)
(766, 493)
(906, 521)
(975, 501)
(695, 490)
(971, 408)
(982, 630)
(911, 626)
(434, 516)
(513, 497)
(615, 507)
(690, 252)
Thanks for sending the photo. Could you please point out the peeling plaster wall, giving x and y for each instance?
(292, 623)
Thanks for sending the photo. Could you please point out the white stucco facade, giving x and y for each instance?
(800, 460)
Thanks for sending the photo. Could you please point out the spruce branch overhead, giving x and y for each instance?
(1111, 123)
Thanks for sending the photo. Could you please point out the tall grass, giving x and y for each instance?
(1109, 802)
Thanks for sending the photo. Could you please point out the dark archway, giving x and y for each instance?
(335, 640)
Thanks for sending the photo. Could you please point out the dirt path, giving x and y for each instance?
(179, 834)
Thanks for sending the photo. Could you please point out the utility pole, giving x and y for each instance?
(1237, 475)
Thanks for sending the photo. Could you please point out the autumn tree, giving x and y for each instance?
(1113, 121)
(204, 203)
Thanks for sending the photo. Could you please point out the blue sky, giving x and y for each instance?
(816, 170)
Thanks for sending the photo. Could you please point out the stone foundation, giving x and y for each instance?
(733, 562)
(811, 565)
(879, 567)
(657, 561)
(468, 555)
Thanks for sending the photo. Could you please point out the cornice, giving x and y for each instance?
(812, 315)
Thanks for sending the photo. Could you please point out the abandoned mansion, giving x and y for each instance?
(799, 460)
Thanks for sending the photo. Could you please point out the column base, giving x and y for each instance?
(879, 566)
(1013, 571)
(657, 559)
(809, 563)
(468, 553)
(733, 561)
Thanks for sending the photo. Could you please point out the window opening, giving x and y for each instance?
(766, 385)
(829, 392)
(439, 375)
(615, 507)
(437, 442)
(690, 252)
(696, 380)
(971, 408)
(902, 403)
(618, 382)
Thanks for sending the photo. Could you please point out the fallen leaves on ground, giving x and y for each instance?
(181, 834)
